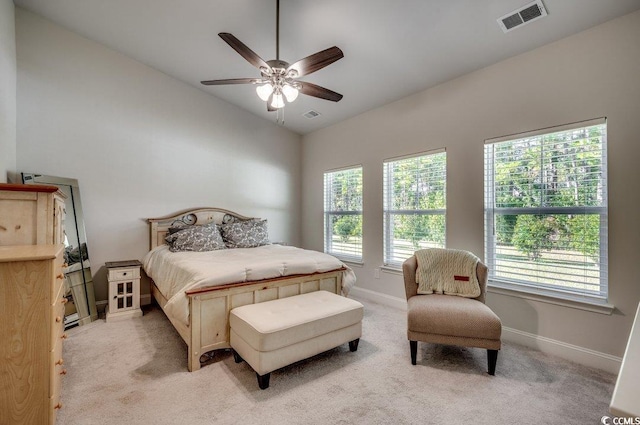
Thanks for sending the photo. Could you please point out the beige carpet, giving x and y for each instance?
(134, 372)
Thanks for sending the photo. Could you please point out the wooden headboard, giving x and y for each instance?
(200, 216)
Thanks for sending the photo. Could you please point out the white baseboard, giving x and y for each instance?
(377, 297)
(574, 353)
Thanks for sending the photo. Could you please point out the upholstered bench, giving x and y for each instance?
(274, 334)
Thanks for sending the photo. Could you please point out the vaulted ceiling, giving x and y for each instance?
(391, 48)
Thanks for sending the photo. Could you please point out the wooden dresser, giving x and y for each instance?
(31, 333)
(31, 302)
(31, 214)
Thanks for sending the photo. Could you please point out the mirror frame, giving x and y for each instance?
(76, 204)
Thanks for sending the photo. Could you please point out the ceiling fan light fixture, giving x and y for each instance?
(290, 92)
(278, 82)
(278, 101)
(264, 91)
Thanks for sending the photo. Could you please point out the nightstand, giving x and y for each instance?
(124, 289)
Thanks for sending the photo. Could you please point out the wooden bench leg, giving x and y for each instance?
(492, 359)
(414, 351)
(353, 345)
(236, 357)
(263, 380)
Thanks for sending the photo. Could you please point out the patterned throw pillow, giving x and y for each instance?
(195, 238)
(177, 226)
(245, 234)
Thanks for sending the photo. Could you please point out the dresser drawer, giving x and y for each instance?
(57, 323)
(54, 405)
(57, 329)
(57, 370)
(58, 276)
(124, 273)
(57, 297)
(58, 284)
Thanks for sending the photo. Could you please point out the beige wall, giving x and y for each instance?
(592, 74)
(143, 144)
(7, 91)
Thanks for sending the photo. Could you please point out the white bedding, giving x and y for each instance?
(174, 273)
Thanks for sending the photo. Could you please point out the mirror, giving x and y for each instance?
(81, 308)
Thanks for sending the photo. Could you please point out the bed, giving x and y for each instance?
(197, 298)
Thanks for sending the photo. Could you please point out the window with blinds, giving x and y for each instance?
(343, 213)
(546, 212)
(415, 203)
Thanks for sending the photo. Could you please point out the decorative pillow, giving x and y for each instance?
(447, 271)
(245, 234)
(177, 226)
(195, 238)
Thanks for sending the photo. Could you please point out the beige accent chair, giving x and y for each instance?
(450, 319)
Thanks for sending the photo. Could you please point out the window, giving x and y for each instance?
(414, 205)
(343, 213)
(546, 212)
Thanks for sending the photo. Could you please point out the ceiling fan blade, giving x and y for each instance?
(230, 81)
(317, 91)
(244, 51)
(316, 61)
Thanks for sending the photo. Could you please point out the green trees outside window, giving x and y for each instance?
(414, 205)
(546, 210)
(343, 213)
(347, 227)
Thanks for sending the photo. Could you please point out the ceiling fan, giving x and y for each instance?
(279, 80)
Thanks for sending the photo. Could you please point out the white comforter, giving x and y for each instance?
(174, 273)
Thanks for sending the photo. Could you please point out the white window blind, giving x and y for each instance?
(414, 194)
(343, 213)
(546, 212)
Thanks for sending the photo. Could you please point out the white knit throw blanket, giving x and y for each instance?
(447, 271)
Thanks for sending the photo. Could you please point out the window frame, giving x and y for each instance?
(388, 248)
(327, 214)
(549, 292)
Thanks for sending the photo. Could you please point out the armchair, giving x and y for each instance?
(450, 319)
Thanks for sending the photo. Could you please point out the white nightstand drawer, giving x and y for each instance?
(124, 273)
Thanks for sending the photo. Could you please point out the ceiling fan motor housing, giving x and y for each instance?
(276, 63)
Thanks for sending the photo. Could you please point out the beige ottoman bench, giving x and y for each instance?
(274, 334)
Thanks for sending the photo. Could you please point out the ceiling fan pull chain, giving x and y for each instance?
(280, 116)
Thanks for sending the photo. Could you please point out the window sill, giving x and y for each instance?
(355, 263)
(508, 290)
(392, 270)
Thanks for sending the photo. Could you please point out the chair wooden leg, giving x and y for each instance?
(414, 351)
(353, 345)
(236, 357)
(263, 380)
(492, 358)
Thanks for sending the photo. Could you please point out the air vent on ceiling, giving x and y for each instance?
(311, 114)
(524, 15)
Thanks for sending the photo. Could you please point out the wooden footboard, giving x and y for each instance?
(209, 308)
